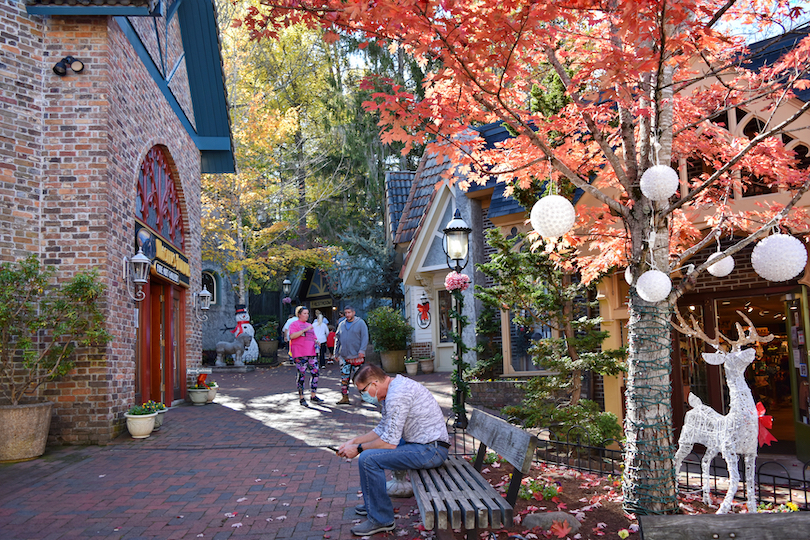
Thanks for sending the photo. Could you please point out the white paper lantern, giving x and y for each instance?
(628, 275)
(722, 268)
(653, 286)
(779, 257)
(553, 216)
(659, 183)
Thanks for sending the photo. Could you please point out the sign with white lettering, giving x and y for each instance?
(167, 261)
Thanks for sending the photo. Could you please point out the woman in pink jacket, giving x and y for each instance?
(303, 353)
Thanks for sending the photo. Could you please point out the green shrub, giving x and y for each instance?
(388, 329)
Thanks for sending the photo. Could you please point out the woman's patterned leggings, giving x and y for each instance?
(302, 363)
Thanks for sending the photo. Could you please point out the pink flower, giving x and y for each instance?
(286, 300)
(455, 281)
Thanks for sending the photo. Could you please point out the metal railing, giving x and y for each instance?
(774, 483)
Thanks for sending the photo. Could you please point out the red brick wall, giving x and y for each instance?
(72, 147)
(422, 350)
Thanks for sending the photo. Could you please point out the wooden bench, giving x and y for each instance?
(456, 496)
(793, 525)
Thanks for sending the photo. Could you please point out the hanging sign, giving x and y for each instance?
(167, 261)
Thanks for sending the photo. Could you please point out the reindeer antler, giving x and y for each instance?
(695, 330)
(752, 337)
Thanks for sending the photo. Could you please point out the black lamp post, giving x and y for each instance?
(456, 243)
(286, 288)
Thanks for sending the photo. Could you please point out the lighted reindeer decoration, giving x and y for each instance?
(735, 434)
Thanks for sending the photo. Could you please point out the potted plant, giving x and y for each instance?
(212, 391)
(267, 338)
(159, 408)
(411, 365)
(198, 393)
(42, 324)
(426, 364)
(389, 332)
(140, 421)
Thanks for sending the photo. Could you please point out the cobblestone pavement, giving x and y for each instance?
(251, 465)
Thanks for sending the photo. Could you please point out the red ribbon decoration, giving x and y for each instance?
(765, 423)
(424, 311)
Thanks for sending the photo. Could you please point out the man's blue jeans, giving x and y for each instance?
(373, 464)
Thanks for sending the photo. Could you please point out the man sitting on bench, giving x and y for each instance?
(411, 435)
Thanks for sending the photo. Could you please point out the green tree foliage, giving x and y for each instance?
(42, 325)
(539, 293)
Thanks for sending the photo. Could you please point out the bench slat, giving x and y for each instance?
(487, 500)
(452, 497)
(511, 442)
(431, 506)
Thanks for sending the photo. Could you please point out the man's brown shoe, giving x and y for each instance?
(344, 400)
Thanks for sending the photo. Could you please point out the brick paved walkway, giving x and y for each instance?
(255, 454)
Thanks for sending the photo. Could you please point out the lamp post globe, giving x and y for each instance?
(456, 241)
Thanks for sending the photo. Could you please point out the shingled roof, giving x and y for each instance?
(397, 189)
(423, 187)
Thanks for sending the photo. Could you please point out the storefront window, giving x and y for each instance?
(445, 305)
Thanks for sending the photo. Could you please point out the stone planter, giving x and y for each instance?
(426, 365)
(198, 396)
(268, 348)
(159, 419)
(212, 393)
(393, 361)
(24, 430)
(140, 426)
(411, 368)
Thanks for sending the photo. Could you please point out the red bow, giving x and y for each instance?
(765, 423)
(424, 311)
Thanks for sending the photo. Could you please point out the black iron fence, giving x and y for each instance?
(775, 484)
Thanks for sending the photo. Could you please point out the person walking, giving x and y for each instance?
(411, 435)
(321, 326)
(330, 344)
(351, 341)
(285, 335)
(302, 351)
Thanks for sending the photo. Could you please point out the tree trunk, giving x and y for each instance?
(648, 482)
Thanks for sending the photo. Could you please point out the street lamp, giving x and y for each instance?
(456, 242)
(202, 302)
(286, 289)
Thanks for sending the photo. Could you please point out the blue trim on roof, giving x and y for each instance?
(768, 51)
(115, 11)
(212, 136)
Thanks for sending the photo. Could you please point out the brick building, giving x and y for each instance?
(106, 158)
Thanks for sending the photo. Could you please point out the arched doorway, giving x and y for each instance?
(159, 231)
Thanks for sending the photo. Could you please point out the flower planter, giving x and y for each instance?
(198, 396)
(24, 430)
(411, 368)
(393, 361)
(426, 365)
(140, 426)
(268, 348)
(159, 419)
(212, 393)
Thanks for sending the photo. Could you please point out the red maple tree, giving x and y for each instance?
(646, 82)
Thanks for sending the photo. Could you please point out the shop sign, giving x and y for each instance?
(167, 262)
(321, 303)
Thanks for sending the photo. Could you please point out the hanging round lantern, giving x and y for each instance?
(653, 286)
(553, 216)
(721, 268)
(659, 183)
(779, 257)
(628, 275)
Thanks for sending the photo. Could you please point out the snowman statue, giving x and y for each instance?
(244, 347)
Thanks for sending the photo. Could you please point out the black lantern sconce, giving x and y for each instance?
(68, 62)
(456, 242)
